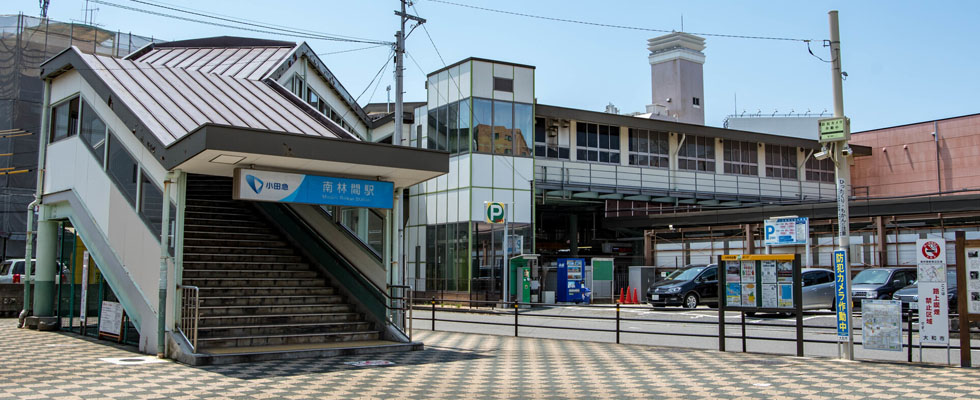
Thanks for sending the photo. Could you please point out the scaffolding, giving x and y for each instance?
(25, 43)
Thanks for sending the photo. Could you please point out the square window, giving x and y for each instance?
(503, 84)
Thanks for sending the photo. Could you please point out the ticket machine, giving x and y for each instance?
(520, 276)
(570, 286)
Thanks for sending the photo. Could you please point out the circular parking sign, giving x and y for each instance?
(931, 250)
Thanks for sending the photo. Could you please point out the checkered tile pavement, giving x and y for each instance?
(43, 365)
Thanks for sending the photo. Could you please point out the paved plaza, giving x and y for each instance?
(42, 365)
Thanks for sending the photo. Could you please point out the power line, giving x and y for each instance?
(599, 24)
(274, 31)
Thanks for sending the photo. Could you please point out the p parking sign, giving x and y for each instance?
(495, 212)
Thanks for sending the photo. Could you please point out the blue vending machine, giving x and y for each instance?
(571, 281)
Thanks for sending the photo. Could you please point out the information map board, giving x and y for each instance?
(760, 283)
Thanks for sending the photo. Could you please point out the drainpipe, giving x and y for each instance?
(939, 172)
(42, 152)
(164, 257)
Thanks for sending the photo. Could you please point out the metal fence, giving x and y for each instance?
(526, 319)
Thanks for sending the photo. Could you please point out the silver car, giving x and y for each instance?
(818, 289)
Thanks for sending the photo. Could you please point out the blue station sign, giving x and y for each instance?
(840, 294)
(284, 187)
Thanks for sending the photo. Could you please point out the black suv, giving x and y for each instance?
(880, 283)
(687, 287)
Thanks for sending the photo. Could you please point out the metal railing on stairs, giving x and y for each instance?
(190, 314)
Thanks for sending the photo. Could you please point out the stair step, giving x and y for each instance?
(246, 273)
(190, 235)
(242, 258)
(218, 241)
(282, 329)
(282, 318)
(249, 282)
(248, 311)
(203, 226)
(210, 221)
(277, 340)
(221, 214)
(242, 265)
(257, 303)
(266, 291)
(241, 250)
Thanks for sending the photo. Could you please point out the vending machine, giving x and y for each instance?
(571, 281)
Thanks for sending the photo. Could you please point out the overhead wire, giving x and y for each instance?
(378, 74)
(266, 29)
(604, 25)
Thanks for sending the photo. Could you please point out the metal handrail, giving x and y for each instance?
(190, 314)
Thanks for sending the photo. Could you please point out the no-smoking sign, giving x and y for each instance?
(931, 250)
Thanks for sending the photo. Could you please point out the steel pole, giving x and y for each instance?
(399, 77)
(842, 172)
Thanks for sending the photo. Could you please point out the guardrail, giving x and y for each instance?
(190, 314)
(519, 310)
(662, 181)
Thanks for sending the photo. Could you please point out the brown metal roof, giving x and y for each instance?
(174, 101)
(239, 62)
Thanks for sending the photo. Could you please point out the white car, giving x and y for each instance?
(16, 267)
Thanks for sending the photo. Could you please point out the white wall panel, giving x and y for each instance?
(433, 91)
(452, 85)
(453, 179)
(523, 205)
(504, 195)
(464, 205)
(442, 182)
(443, 88)
(482, 170)
(464, 170)
(431, 206)
(524, 85)
(464, 79)
(480, 196)
(441, 207)
(423, 210)
(523, 172)
(413, 210)
(430, 185)
(482, 79)
(452, 206)
(503, 71)
(503, 172)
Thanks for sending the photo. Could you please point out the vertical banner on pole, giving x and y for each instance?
(840, 295)
(933, 307)
(84, 295)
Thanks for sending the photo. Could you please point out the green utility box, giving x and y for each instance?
(520, 279)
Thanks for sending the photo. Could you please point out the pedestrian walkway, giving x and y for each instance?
(44, 365)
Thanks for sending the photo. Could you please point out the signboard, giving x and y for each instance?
(284, 187)
(495, 212)
(973, 280)
(842, 306)
(754, 280)
(933, 303)
(111, 319)
(834, 129)
(786, 231)
(602, 269)
(882, 324)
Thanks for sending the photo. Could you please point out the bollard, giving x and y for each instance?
(617, 323)
(433, 314)
(515, 318)
(910, 334)
(743, 331)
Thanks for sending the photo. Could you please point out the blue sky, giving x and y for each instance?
(907, 61)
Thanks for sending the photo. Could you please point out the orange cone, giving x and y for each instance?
(636, 299)
(620, 295)
(629, 300)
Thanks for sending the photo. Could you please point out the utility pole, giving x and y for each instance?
(843, 171)
(399, 70)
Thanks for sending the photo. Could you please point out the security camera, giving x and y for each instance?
(846, 151)
(823, 154)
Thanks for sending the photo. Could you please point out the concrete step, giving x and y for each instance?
(257, 302)
(190, 235)
(281, 318)
(265, 291)
(245, 354)
(242, 258)
(220, 311)
(290, 328)
(242, 265)
(239, 249)
(246, 273)
(237, 242)
(223, 213)
(228, 223)
(204, 226)
(255, 283)
(279, 340)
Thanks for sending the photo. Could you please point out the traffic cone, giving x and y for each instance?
(620, 295)
(628, 299)
(636, 299)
